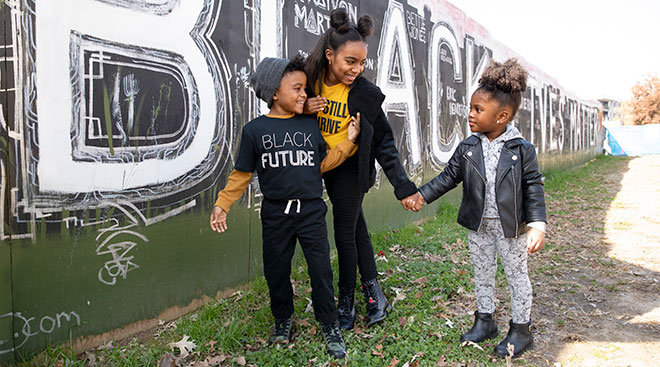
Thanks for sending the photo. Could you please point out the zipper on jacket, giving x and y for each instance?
(475, 168)
(515, 202)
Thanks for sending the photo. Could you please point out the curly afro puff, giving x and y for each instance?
(505, 82)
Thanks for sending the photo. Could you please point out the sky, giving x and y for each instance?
(595, 49)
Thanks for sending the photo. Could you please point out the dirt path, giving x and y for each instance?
(598, 288)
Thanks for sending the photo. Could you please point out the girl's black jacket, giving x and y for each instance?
(518, 187)
(376, 140)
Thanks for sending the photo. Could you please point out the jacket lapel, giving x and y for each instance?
(475, 155)
(508, 159)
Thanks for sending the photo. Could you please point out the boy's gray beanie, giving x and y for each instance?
(266, 79)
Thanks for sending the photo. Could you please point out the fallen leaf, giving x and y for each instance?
(216, 359)
(211, 344)
(240, 361)
(107, 345)
(377, 353)
(472, 344)
(402, 320)
(393, 362)
(400, 296)
(167, 360)
(309, 305)
(421, 280)
(185, 346)
(91, 360)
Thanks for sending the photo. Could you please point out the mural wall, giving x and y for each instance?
(120, 122)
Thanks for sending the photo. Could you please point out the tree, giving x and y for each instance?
(644, 106)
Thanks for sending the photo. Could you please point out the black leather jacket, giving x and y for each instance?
(519, 185)
(376, 140)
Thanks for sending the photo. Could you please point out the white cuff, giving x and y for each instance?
(537, 225)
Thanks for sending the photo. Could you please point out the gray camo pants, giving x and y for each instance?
(484, 246)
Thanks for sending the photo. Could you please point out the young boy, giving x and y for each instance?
(289, 154)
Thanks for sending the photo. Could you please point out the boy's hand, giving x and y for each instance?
(535, 240)
(314, 105)
(218, 219)
(414, 202)
(354, 128)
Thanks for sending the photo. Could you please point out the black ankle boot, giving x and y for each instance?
(484, 328)
(346, 308)
(377, 304)
(519, 336)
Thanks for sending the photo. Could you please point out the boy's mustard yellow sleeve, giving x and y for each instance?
(336, 155)
(236, 184)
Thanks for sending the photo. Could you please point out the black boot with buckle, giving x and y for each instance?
(484, 328)
(346, 308)
(377, 304)
(519, 337)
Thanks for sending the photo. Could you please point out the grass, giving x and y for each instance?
(426, 271)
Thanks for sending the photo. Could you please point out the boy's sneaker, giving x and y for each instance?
(334, 343)
(281, 331)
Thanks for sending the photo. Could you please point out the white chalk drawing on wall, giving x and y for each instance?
(155, 171)
(106, 244)
(397, 81)
(12, 96)
(73, 176)
(167, 109)
(442, 145)
(158, 7)
(314, 16)
(32, 198)
(28, 327)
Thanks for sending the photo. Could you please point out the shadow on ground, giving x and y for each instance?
(596, 285)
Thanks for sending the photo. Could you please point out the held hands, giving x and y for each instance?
(314, 105)
(535, 240)
(218, 219)
(354, 128)
(414, 202)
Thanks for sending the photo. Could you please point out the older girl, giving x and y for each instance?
(334, 74)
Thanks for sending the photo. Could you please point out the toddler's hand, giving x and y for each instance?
(354, 128)
(314, 105)
(414, 202)
(218, 219)
(535, 240)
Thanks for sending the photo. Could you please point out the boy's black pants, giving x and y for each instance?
(354, 249)
(305, 222)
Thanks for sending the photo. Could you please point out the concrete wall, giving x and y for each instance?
(120, 122)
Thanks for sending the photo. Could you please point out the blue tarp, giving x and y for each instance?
(632, 140)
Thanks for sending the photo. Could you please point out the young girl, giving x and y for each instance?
(502, 198)
(334, 69)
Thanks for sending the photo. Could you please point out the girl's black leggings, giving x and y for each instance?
(352, 240)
